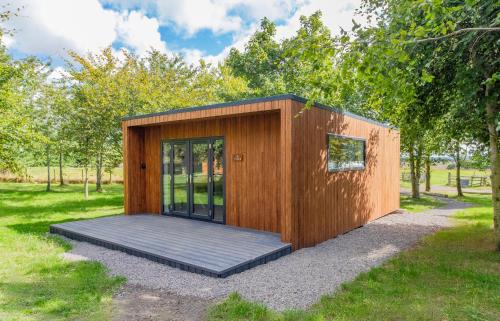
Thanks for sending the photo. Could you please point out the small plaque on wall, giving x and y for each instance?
(238, 157)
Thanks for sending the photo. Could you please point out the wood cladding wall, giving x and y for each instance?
(134, 178)
(326, 204)
(282, 185)
(252, 184)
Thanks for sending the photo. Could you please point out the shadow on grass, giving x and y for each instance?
(42, 227)
(25, 192)
(62, 207)
(24, 208)
(60, 289)
(417, 205)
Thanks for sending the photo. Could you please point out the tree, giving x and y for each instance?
(98, 107)
(104, 89)
(458, 38)
(18, 81)
(260, 63)
(309, 61)
(303, 64)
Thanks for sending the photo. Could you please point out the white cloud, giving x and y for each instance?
(195, 15)
(57, 74)
(336, 14)
(240, 39)
(140, 33)
(272, 9)
(51, 27)
(218, 16)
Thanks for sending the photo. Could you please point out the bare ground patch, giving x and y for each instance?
(139, 303)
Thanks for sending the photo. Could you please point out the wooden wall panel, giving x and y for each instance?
(134, 175)
(252, 188)
(282, 184)
(225, 111)
(328, 204)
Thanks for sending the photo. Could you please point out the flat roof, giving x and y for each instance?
(257, 100)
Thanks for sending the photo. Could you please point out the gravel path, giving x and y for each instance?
(296, 280)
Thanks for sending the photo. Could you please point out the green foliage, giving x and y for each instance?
(303, 64)
(20, 82)
(419, 205)
(35, 282)
(451, 275)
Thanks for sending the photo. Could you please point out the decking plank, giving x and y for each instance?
(211, 249)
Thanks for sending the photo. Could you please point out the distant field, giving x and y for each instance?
(440, 176)
(70, 175)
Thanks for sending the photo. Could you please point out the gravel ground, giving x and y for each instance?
(294, 281)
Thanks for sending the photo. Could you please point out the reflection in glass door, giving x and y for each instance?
(218, 179)
(166, 177)
(193, 178)
(200, 177)
(180, 178)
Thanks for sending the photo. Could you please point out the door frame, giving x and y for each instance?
(189, 215)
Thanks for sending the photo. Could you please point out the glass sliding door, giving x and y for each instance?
(218, 179)
(180, 178)
(193, 178)
(200, 177)
(166, 177)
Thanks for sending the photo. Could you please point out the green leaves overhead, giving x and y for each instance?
(303, 64)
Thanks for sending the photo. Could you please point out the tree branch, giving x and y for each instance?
(455, 33)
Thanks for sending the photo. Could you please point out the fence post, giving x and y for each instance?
(449, 179)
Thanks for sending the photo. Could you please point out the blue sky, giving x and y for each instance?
(193, 28)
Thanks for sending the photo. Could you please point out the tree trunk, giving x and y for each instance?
(491, 112)
(110, 177)
(86, 182)
(414, 174)
(48, 169)
(458, 165)
(61, 178)
(98, 173)
(418, 165)
(428, 173)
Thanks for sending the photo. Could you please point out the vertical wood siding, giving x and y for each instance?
(282, 184)
(134, 176)
(252, 185)
(327, 204)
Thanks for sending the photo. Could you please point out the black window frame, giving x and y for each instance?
(357, 168)
(167, 210)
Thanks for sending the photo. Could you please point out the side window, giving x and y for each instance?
(345, 153)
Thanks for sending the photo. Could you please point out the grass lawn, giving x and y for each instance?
(451, 275)
(440, 176)
(39, 174)
(35, 283)
(422, 204)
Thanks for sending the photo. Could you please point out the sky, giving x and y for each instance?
(196, 29)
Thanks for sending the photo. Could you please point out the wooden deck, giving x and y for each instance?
(206, 248)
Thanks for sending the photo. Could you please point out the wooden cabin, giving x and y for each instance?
(265, 164)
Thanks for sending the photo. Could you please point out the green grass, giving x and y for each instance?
(35, 283)
(440, 176)
(200, 190)
(424, 203)
(451, 275)
(39, 174)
